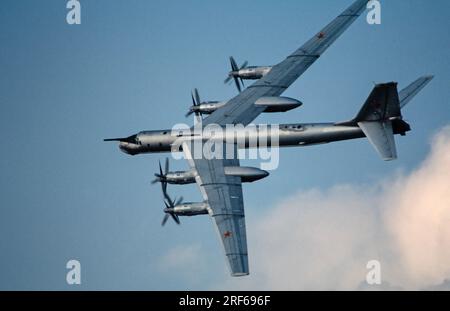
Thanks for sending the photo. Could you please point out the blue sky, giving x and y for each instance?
(131, 66)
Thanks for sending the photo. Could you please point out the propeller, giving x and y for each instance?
(195, 102)
(170, 205)
(162, 176)
(233, 74)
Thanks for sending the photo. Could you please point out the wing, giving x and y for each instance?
(224, 193)
(241, 109)
(226, 207)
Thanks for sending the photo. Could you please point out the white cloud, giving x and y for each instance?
(186, 261)
(323, 239)
(181, 255)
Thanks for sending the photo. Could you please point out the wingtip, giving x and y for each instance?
(240, 274)
(390, 159)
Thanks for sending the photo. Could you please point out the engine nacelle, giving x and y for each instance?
(252, 72)
(189, 209)
(278, 104)
(180, 177)
(247, 174)
(207, 107)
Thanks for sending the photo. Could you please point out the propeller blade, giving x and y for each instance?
(160, 177)
(197, 97)
(169, 203)
(233, 63)
(244, 65)
(175, 218)
(164, 190)
(166, 166)
(166, 204)
(234, 68)
(238, 85)
(179, 201)
(193, 100)
(160, 169)
(166, 216)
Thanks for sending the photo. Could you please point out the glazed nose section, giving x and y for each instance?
(128, 148)
(123, 147)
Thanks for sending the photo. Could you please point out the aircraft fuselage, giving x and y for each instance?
(290, 135)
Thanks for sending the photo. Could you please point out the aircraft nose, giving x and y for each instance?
(124, 147)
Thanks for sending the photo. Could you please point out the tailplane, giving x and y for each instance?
(380, 118)
(409, 92)
(381, 136)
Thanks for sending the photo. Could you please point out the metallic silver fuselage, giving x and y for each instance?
(290, 135)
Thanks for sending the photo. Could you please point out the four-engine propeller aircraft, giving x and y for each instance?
(220, 179)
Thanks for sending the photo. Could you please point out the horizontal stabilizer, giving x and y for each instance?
(381, 136)
(408, 93)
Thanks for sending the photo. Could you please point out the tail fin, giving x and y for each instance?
(380, 117)
(382, 104)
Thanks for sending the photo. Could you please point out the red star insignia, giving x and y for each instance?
(321, 35)
(227, 234)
